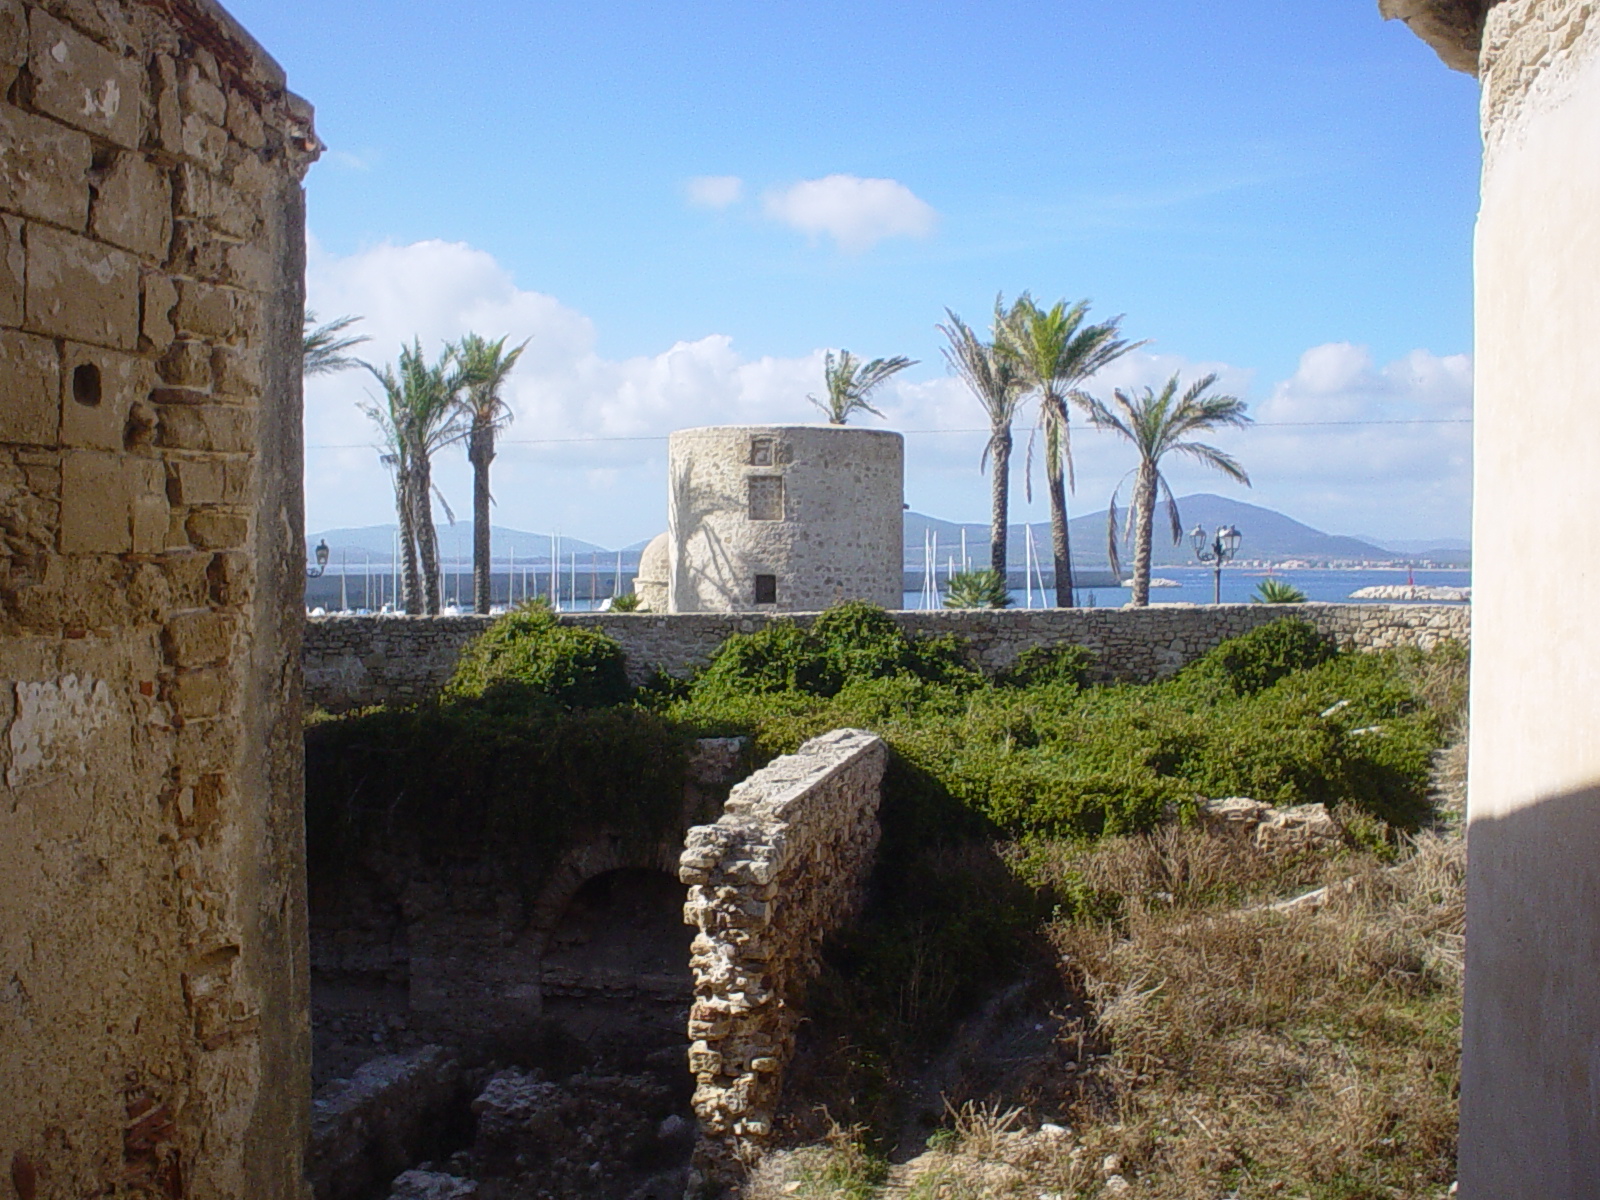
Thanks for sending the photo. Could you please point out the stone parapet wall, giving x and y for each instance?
(152, 931)
(355, 661)
(783, 868)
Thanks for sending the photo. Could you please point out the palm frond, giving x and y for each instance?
(322, 348)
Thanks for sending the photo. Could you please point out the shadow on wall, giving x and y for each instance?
(1530, 1088)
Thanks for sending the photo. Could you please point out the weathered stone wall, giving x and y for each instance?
(817, 508)
(354, 661)
(153, 1033)
(784, 867)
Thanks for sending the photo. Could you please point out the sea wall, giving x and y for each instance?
(782, 868)
(355, 661)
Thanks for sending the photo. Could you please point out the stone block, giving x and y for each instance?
(159, 294)
(195, 695)
(236, 372)
(133, 206)
(198, 639)
(191, 482)
(205, 143)
(214, 427)
(99, 493)
(206, 311)
(231, 578)
(13, 265)
(244, 122)
(207, 199)
(199, 95)
(13, 42)
(83, 84)
(30, 389)
(44, 172)
(81, 290)
(210, 529)
(99, 387)
(186, 364)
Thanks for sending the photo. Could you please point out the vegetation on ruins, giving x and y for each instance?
(322, 347)
(1158, 424)
(977, 589)
(485, 365)
(1028, 815)
(1054, 351)
(997, 384)
(849, 382)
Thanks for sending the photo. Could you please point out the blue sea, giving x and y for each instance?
(1238, 585)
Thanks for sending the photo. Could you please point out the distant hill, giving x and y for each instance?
(1266, 535)
(376, 542)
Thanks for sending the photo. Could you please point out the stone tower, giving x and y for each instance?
(783, 518)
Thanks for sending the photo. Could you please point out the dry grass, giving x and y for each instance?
(1308, 1054)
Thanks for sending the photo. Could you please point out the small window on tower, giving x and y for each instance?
(761, 452)
(766, 497)
(766, 589)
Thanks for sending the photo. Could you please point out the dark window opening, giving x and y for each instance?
(766, 589)
(86, 384)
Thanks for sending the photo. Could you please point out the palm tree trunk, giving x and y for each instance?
(405, 513)
(481, 452)
(427, 537)
(1060, 537)
(1144, 499)
(999, 498)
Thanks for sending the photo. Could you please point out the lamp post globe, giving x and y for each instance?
(1222, 547)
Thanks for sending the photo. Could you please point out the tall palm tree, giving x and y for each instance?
(484, 366)
(850, 381)
(418, 417)
(1054, 351)
(994, 379)
(322, 347)
(1159, 423)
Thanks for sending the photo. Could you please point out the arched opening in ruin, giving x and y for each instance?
(615, 969)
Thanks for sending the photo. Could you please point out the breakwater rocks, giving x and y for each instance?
(355, 661)
(785, 866)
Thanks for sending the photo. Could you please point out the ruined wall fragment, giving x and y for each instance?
(783, 868)
(153, 1035)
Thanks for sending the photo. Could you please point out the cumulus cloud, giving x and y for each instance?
(715, 191)
(856, 213)
(586, 453)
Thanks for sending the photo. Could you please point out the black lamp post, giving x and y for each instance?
(1223, 546)
(322, 561)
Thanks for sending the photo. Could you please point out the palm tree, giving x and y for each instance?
(322, 349)
(1158, 423)
(484, 366)
(1054, 351)
(994, 379)
(850, 381)
(417, 418)
(977, 589)
(1276, 591)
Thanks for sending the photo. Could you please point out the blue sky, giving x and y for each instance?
(1249, 182)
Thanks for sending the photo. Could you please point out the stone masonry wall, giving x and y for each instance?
(784, 867)
(354, 661)
(153, 1027)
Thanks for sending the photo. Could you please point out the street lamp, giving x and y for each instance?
(322, 561)
(1221, 549)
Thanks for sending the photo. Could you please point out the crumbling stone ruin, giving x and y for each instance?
(785, 866)
(153, 1032)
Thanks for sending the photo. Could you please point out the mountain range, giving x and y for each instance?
(1267, 535)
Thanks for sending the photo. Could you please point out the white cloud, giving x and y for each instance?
(1399, 480)
(857, 213)
(715, 191)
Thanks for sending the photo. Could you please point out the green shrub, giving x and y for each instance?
(1260, 658)
(1049, 664)
(626, 602)
(529, 658)
(1276, 591)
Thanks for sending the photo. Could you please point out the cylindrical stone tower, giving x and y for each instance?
(785, 518)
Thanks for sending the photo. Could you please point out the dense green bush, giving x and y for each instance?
(1260, 658)
(528, 658)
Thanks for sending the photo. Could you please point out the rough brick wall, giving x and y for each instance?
(784, 867)
(353, 661)
(153, 1033)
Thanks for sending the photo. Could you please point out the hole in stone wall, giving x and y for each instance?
(766, 589)
(86, 385)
